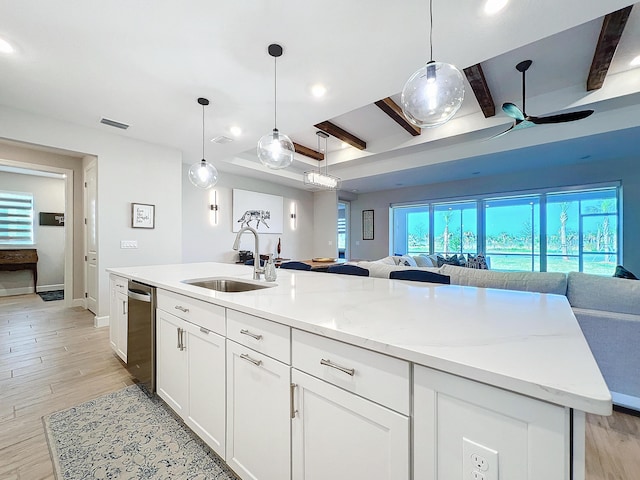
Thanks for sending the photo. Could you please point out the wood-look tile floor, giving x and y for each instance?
(52, 358)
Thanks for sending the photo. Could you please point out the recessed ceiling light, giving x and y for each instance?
(491, 7)
(344, 145)
(635, 62)
(235, 131)
(318, 90)
(6, 47)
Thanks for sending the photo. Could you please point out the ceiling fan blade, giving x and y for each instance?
(560, 118)
(503, 133)
(513, 111)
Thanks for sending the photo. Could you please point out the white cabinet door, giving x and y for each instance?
(113, 316)
(171, 362)
(122, 302)
(342, 436)
(118, 326)
(258, 415)
(206, 412)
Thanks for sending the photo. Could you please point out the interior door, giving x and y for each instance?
(90, 235)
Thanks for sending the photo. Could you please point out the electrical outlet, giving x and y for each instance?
(478, 461)
(128, 244)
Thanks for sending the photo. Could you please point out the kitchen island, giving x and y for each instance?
(360, 377)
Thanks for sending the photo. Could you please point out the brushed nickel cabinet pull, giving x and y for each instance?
(179, 346)
(181, 308)
(252, 335)
(182, 345)
(293, 408)
(329, 363)
(246, 357)
(204, 330)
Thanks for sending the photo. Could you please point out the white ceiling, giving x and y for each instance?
(146, 62)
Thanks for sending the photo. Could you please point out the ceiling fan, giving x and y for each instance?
(522, 120)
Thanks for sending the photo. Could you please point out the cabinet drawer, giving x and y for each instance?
(383, 379)
(119, 284)
(202, 314)
(264, 336)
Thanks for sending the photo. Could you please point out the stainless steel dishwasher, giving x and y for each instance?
(141, 334)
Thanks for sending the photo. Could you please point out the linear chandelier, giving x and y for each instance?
(317, 178)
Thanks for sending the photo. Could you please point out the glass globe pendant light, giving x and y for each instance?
(275, 150)
(434, 93)
(203, 174)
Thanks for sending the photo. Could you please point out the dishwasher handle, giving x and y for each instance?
(138, 295)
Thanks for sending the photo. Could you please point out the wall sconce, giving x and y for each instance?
(213, 207)
(293, 215)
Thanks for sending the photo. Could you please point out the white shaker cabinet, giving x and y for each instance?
(191, 365)
(118, 318)
(171, 362)
(258, 399)
(342, 436)
(337, 433)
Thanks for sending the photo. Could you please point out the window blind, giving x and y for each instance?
(16, 218)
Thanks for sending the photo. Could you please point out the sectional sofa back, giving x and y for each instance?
(382, 270)
(609, 294)
(542, 282)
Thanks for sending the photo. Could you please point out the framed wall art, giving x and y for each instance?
(143, 215)
(367, 224)
(260, 211)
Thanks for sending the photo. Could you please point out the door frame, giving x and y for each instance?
(89, 161)
(68, 219)
(347, 226)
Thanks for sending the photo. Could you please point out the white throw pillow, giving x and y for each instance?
(387, 261)
(423, 261)
(406, 260)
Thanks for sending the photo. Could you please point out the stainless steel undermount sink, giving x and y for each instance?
(229, 285)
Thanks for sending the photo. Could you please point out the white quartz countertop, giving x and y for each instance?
(528, 343)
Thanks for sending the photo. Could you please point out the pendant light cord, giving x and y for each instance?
(431, 30)
(275, 92)
(203, 133)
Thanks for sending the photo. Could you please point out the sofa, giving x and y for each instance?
(607, 310)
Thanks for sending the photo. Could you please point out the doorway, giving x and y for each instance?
(343, 229)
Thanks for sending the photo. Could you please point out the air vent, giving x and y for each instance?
(113, 123)
(222, 139)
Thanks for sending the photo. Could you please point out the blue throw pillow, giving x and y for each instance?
(622, 272)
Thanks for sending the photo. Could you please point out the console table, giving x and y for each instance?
(20, 259)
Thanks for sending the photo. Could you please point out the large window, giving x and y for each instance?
(512, 237)
(582, 231)
(554, 231)
(455, 227)
(411, 230)
(16, 218)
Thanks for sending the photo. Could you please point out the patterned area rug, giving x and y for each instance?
(52, 295)
(128, 435)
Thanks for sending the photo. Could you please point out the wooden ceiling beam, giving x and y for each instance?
(308, 152)
(612, 28)
(480, 88)
(337, 132)
(391, 108)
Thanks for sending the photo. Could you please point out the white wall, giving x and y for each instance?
(203, 241)
(128, 171)
(325, 225)
(48, 196)
(625, 170)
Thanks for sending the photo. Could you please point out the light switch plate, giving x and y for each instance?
(478, 461)
(128, 244)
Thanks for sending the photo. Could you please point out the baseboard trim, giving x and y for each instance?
(10, 292)
(100, 322)
(78, 302)
(626, 401)
(49, 288)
